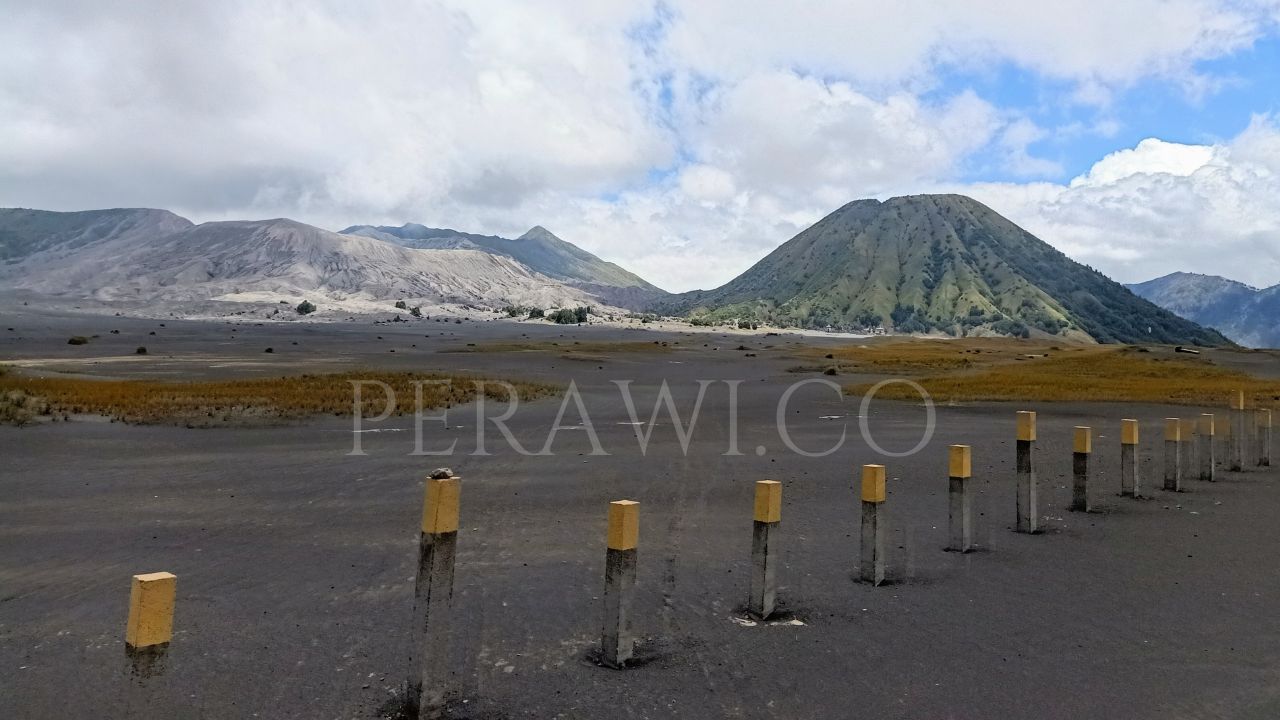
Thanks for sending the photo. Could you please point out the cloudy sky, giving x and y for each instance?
(683, 140)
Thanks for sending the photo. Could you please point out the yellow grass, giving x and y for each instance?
(210, 402)
(911, 357)
(1093, 375)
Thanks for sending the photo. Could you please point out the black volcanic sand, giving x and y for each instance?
(296, 560)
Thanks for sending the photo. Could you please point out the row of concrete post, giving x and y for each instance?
(152, 596)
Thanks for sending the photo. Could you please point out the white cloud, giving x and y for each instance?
(1150, 157)
(319, 109)
(1018, 160)
(1101, 44)
(1161, 207)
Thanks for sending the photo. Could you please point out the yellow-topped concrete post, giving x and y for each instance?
(873, 526)
(1173, 454)
(1082, 448)
(1028, 492)
(1264, 437)
(151, 602)
(1129, 480)
(429, 678)
(622, 540)
(766, 517)
(1205, 429)
(624, 525)
(440, 506)
(960, 498)
(1239, 433)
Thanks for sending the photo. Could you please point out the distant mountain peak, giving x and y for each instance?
(1181, 276)
(537, 232)
(1242, 312)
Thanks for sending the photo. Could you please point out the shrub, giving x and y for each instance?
(416, 311)
(536, 313)
(305, 308)
(564, 316)
(140, 351)
(402, 305)
(78, 340)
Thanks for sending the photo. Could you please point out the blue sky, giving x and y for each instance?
(1245, 83)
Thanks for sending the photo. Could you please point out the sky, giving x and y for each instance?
(682, 140)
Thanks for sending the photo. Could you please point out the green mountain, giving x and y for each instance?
(935, 263)
(537, 249)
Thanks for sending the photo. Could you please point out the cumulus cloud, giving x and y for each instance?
(1099, 44)
(1160, 207)
(684, 140)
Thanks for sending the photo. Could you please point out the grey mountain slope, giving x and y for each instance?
(942, 263)
(25, 232)
(1243, 313)
(539, 249)
(178, 261)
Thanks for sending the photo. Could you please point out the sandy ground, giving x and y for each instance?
(295, 559)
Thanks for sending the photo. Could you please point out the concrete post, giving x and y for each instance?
(1264, 438)
(429, 685)
(764, 551)
(1204, 440)
(960, 499)
(616, 642)
(1187, 453)
(1082, 447)
(873, 524)
(1239, 434)
(1223, 430)
(1129, 483)
(1173, 454)
(1028, 511)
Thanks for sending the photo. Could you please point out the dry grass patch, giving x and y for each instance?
(917, 357)
(1104, 374)
(230, 401)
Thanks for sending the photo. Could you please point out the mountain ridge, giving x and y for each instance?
(150, 258)
(1247, 315)
(539, 249)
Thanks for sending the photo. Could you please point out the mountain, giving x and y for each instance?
(539, 249)
(151, 255)
(24, 233)
(1245, 314)
(943, 263)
